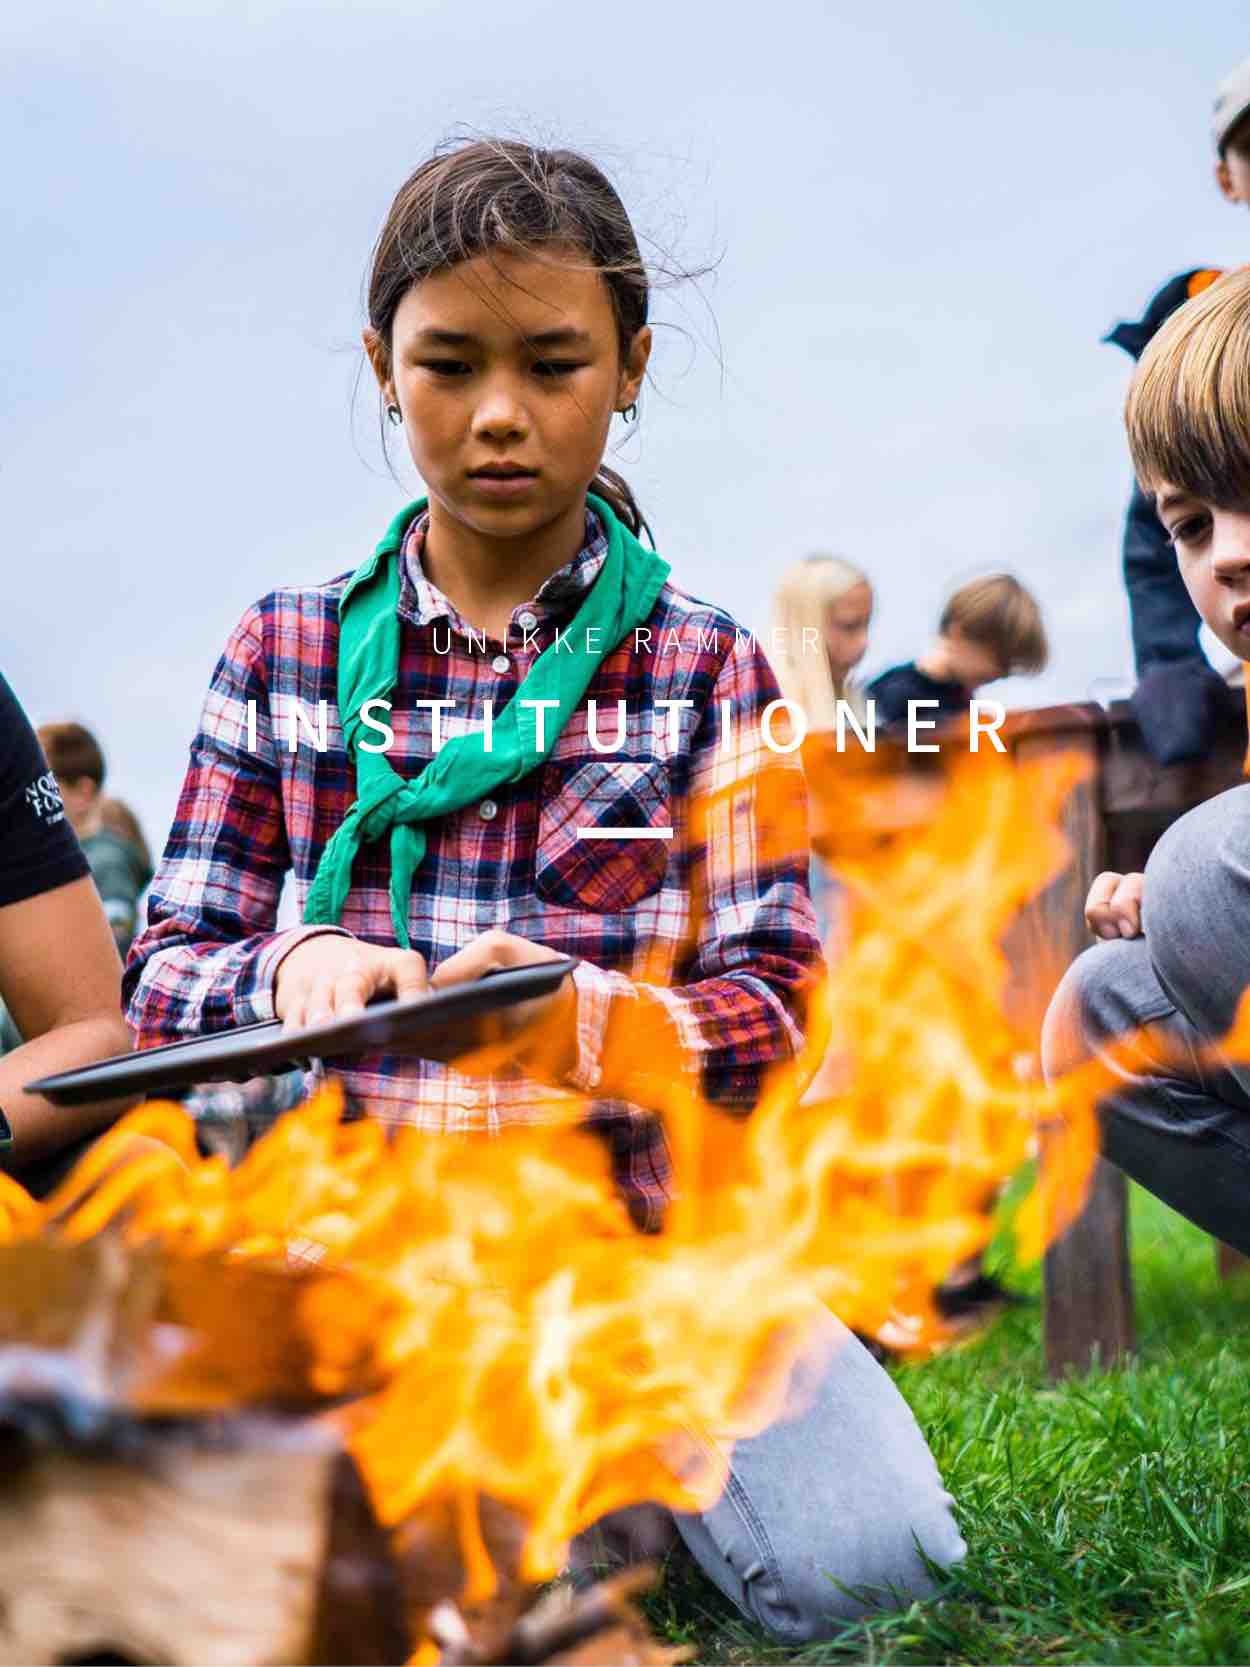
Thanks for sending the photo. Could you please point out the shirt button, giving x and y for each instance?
(471, 1097)
(527, 621)
(501, 662)
(488, 810)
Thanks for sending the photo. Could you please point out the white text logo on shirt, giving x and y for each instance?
(44, 798)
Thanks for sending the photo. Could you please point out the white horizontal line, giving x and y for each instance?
(624, 833)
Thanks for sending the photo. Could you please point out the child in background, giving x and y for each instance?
(1176, 955)
(117, 818)
(990, 628)
(508, 307)
(822, 609)
(107, 830)
(1179, 697)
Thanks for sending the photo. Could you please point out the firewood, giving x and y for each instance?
(599, 1627)
(236, 1540)
(173, 1490)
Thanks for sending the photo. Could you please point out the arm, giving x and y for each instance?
(207, 957)
(68, 1005)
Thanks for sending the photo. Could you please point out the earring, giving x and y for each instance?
(630, 413)
(395, 414)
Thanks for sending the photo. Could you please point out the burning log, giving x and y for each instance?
(506, 1359)
(600, 1626)
(247, 1539)
(244, 1539)
(146, 1516)
(134, 1529)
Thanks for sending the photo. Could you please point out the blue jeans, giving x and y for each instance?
(841, 1495)
(1178, 1124)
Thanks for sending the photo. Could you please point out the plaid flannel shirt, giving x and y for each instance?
(730, 966)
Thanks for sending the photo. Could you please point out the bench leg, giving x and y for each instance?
(1088, 1282)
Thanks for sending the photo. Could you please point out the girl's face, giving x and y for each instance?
(1213, 553)
(507, 369)
(846, 629)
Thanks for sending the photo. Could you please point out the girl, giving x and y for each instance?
(507, 306)
(821, 613)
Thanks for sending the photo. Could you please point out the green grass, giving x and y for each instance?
(1108, 1517)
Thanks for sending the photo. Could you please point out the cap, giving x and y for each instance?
(1232, 101)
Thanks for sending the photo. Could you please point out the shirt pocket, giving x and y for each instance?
(602, 873)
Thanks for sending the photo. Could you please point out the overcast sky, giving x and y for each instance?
(925, 217)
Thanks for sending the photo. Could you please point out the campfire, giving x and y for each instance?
(479, 1352)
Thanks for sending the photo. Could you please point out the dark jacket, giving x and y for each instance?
(895, 688)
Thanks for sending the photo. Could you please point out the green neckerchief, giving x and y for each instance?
(462, 771)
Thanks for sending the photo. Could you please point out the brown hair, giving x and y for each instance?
(72, 751)
(478, 195)
(1238, 138)
(117, 816)
(1000, 614)
(1188, 408)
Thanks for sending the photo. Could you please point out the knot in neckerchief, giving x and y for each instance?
(462, 771)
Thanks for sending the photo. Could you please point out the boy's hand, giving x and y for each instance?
(1113, 907)
(332, 976)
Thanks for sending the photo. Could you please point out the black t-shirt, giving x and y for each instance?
(894, 688)
(38, 849)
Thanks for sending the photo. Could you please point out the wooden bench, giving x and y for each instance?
(1112, 822)
(1088, 1304)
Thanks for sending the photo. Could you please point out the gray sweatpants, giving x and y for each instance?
(840, 1495)
(1179, 1125)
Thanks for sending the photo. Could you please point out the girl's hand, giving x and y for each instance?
(1113, 907)
(331, 976)
(552, 1019)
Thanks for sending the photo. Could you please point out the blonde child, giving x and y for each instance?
(1179, 698)
(822, 609)
(1175, 949)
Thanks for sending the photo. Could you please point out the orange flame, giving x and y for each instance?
(505, 1330)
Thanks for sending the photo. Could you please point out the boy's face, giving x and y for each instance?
(972, 663)
(1232, 175)
(1213, 552)
(81, 797)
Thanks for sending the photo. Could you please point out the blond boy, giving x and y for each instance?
(1179, 698)
(1176, 949)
